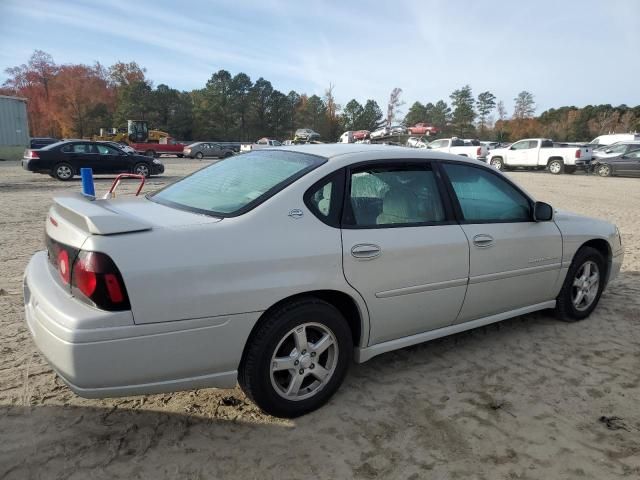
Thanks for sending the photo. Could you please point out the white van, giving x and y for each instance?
(603, 140)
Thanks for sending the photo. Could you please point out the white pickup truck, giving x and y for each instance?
(457, 146)
(262, 143)
(541, 153)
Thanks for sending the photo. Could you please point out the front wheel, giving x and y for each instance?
(497, 163)
(142, 169)
(604, 170)
(583, 285)
(556, 167)
(297, 358)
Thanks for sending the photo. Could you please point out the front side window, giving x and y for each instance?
(634, 154)
(618, 149)
(231, 187)
(523, 145)
(485, 197)
(394, 195)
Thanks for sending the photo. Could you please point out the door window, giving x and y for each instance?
(394, 195)
(83, 148)
(634, 154)
(106, 150)
(485, 197)
(523, 145)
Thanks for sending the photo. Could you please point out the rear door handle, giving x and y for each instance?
(365, 250)
(483, 240)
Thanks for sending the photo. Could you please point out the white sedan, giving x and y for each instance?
(274, 269)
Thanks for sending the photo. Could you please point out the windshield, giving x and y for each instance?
(233, 186)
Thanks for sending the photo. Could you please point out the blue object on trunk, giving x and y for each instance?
(88, 187)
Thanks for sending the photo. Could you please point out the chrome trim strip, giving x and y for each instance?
(513, 273)
(422, 288)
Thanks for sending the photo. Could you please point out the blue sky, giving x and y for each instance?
(564, 52)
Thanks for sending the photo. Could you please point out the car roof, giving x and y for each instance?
(336, 150)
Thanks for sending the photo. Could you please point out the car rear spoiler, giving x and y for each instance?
(95, 216)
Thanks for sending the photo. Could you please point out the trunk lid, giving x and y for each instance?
(73, 218)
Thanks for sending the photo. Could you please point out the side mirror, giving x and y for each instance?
(542, 212)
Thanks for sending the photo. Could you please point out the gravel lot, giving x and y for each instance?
(528, 398)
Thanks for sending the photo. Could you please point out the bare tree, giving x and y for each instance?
(502, 112)
(393, 107)
(525, 106)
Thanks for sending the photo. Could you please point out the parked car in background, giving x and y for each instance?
(251, 271)
(541, 153)
(63, 160)
(471, 148)
(624, 164)
(361, 135)
(261, 143)
(423, 129)
(604, 140)
(201, 150)
(40, 142)
(381, 132)
(167, 146)
(122, 146)
(615, 149)
(417, 142)
(305, 135)
(397, 130)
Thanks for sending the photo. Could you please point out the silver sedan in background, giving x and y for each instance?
(200, 150)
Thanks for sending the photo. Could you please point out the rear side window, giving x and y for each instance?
(485, 197)
(325, 199)
(238, 184)
(393, 196)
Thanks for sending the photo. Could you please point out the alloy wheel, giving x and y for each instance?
(304, 361)
(585, 285)
(64, 172)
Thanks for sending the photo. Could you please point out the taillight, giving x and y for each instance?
(479, 151)
(578, 153)
(91, 277)
(31, 154)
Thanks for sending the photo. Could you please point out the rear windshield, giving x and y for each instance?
(233, 186)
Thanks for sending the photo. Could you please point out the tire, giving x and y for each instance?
(63, 172)
(227, 154)
(199, 155)
(142, 169)
(497, 163)
(556, 167)
(275, 338)
(568, 308)
(180, 155)
(150, 153)
(604, 170)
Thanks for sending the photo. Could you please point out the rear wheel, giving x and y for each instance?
(497, 163)
(583, 285)
(142, 169)
(227, 154)
(63, 172)
(604, 170)
(556, 167)
(199, 155)
(297, 358)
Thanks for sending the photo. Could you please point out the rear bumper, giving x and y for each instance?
(105, 354)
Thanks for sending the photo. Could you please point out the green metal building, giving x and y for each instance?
(14, 127)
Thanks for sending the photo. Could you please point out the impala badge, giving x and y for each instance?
(296, 213)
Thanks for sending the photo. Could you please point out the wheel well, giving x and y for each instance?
(604, 248)
(340, 300)
(555, 158)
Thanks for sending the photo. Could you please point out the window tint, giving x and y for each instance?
(227, 188)
(485, 197)
(83, 148)
(546, 144)
(394, 196)
(106, 150)
(324, 199)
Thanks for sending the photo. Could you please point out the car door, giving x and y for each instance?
(517, 155)
(627, 164)
(216, 150)
(514, 261)
(110, 159)
(402, 249)
(530, 154)
(84, 155)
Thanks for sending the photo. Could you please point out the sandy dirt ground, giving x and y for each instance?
(529, 398)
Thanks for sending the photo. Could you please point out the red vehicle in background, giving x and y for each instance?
(166, 146)
(361, 134)
(423, 129)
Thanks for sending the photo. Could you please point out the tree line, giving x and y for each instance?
(75, 100)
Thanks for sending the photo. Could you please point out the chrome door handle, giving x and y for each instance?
(483, 241)
(365, 250)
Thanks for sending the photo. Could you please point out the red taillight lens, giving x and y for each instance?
(578, 153)
(33, 154)
(84, 278)
(479, 151)
(113, 288)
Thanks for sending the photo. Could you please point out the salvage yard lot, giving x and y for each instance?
(527, 398)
